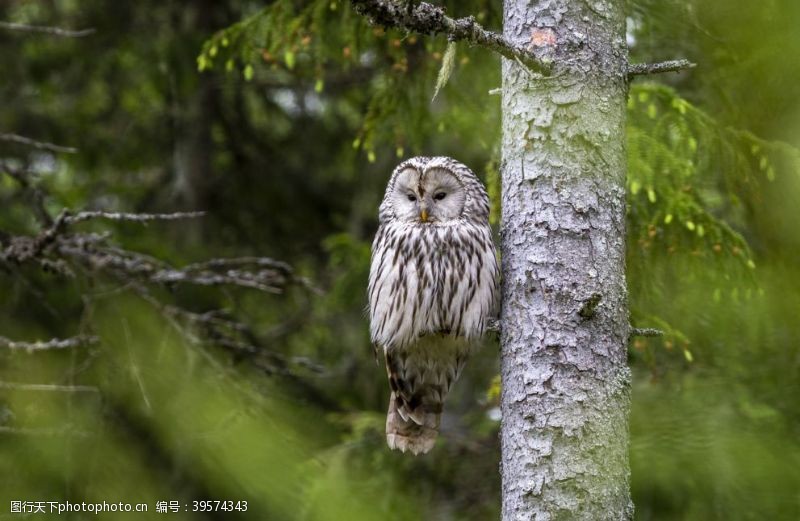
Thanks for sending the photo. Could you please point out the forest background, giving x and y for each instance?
(185, 376)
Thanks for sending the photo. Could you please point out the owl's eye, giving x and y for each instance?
(412, 197)
(440, 196)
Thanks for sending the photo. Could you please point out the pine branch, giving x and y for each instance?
(425, 18)
(42, 29)
(639, 69)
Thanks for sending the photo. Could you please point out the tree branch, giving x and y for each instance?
(52, 344)
(42, 29)
(23, 249)
(425, 18)
(39, 145)
(639, 69)
(260, 273)
(56, 247)
(133, 217)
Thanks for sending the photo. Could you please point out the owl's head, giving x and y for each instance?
(436, 190)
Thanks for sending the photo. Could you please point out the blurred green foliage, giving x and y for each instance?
(283, 120)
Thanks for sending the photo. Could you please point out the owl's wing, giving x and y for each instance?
(470, 279)
(396, 304)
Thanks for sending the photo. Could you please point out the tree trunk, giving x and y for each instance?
(564, 318)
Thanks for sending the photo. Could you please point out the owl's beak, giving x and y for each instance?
(423, 215)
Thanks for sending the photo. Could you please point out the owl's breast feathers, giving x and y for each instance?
(431, 279)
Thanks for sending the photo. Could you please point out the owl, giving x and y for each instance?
(433, 284)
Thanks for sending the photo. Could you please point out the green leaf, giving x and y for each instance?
(289, 58)
(248, 72)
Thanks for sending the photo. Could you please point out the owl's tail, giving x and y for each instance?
(420, 378)
(412, 429)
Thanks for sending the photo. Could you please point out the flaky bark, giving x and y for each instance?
(564, 317)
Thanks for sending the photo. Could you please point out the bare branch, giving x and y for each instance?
(425, 18)
(639, 69)
(60, 249)
(49, 345)
(42, 29)
(238, 262)
(38, 145)
(645, 331)
(131, 264)
(23, 249)
(264, 280)
(132, 217)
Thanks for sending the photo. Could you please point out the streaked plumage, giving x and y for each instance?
(433, 284)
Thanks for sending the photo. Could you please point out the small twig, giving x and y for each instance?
(639, 69)
(49, 387)
(52, 344)
(425, 18)
(261, 280)
(39, 145)
(28, 431)
(132, 217)
(42, 29)
(645, 331)
(239, 261)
